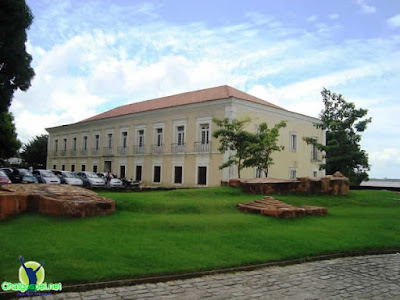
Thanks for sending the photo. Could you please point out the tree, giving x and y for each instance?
(264, 143)
(233, 138)
(9, 144)
(15, 70)
(343, 122)
(35, 152)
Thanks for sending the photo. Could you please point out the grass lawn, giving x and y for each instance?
(191, 230)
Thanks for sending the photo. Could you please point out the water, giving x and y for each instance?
(382, 183)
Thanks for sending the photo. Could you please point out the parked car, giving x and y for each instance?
(68, 177)
(114, 181)
(27, 177)
(12, 174)
(130, 183)
(90, 179)
(4, 178)
(46, 176)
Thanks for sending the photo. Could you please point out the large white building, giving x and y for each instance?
(168, 141)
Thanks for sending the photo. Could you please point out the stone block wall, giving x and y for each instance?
(330, 185)
(56, 200)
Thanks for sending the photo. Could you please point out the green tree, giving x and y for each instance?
(34, 153)
(9, 144)
(343, 122)
(264, 143)
(15, 70)
(233, 138)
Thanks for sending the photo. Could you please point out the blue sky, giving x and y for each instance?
(90, 56)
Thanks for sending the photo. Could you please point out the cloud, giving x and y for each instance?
(312, 18)
(365, 8)
(333, 16)
(394, 21)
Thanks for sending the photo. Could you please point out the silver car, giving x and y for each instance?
(114, 182)
(90, 179)
(68, 177)
(46, 176)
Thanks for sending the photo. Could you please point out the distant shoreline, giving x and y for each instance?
(382, 183)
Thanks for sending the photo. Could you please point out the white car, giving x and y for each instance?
(114, 182)
(68, 177)
(90, 179)
(46, 176)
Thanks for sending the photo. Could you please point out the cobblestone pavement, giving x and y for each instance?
(363, 277)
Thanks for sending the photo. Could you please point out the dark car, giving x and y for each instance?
(20, 175)
(4, 178)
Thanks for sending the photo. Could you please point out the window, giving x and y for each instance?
(54, 167)
(140, 138)
(95, 168)
(83, 168)
(293, 142)
(65, 145)
(85, 143)
(97, 142)
(178, 175)
(259, 173)
(292, 173)
(63, 167)
(55, 145)
(315, 174)
(74, 143)
(204, 133)
(122, 171)
(109, 140)
(202, 175)
(180, 136)
(72, 168)
(138, 173)
(159, 137)
(124, 142)
(314, 150)
(157, 174)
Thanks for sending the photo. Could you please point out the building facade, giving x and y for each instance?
(168, 141)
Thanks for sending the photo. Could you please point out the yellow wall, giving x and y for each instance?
(190, 115)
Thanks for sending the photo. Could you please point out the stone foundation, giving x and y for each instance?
(268, 206)
(56, 200)
(331, 185)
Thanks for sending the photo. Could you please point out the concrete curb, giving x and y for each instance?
(170, 277)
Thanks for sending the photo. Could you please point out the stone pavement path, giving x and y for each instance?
(363, 277)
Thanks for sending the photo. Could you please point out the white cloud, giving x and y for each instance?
(365, 8)
(312, 18)
(333, 16)
(394, 21)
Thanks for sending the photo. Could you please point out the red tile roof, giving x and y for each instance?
(210, 94)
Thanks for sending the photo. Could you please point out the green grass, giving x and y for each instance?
(190, 230)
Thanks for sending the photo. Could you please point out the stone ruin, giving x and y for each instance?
(268, 206)
(56, 200)
(335, 184)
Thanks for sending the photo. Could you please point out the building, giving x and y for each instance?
(168, 141)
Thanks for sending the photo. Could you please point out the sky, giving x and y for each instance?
(93, 55)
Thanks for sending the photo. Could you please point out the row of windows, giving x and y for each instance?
(179, 140)
(157, 173)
